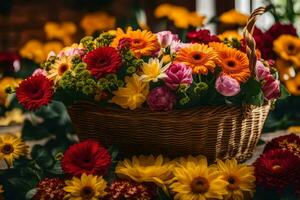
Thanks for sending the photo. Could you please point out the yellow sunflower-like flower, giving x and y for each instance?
(233, 62)
(11, 148)
(153, 70)
(288, 48)
(293, 85)
(87, 187)
(240, 179)
(15, 116)
(58, 69)
(133, 95)
(4, 83)
(200, 57)
(285, 69)
(234, 17)
(146, 169)
(144, 43)
(98, 21)
(194, 180)
(229, 35)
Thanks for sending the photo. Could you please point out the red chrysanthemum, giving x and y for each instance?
(289, 142)
(35, 91)
(277, 169)
(86, 157)
(103, 60)
(201, 36)
(128, 190)
(50, 189)
(279, 29)
(264, 42)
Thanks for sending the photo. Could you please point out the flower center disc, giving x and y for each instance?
(62, 69)
(291, 49)
(200, 185)
(231, 63)
(233, 183)
(7, 149)
(137, 44)
(87, 192)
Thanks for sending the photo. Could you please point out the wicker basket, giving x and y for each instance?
(216, 132)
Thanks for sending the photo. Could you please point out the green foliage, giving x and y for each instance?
(104, 39)
(88, 43)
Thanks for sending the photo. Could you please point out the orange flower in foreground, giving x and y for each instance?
(234, 63)
(144, 43)
(200, 57)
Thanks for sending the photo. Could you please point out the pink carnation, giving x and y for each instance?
(227, 86)
(71, 52)
(161, 99)
(177, 74)
(271, 88)
(262, 72)
(165, 38)
(39, 71)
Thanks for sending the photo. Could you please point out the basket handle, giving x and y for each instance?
(248, 36)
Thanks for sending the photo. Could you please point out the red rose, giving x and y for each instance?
(201, 36)
(103, 60)
(86, 157)
(35, 91)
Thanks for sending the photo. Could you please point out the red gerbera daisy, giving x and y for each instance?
(35, 91)
(86, 157)
(103, 60)
(287, 142)
(50, 189)
(277, 169)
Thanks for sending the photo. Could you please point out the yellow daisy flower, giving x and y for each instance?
(288, 48)
(144, 43)
(15, 116)
(153, 70)
(4, 83)
(11, 148)
(87, 187)
(58, 69)
(200, 57)
(229, 35)
(194, 180)
(146, 169)
(234, 17)
(133, 95)
(240, 178)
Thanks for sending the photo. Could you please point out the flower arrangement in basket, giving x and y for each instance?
(129, 87)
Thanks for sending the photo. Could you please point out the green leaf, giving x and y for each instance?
(42, 157)
(114, 152)
(284, 92)
(30, 194)
(290, 12)
(56, 169)
(162, 195)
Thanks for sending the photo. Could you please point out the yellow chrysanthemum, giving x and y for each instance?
(146, 169)
(285, 69)
(234, 17)
(200, 57)
(144, 43)
(240, 179)
(288, 48)
(62, 31)
(15, 116)
(133, 95)
(153, 70)
(58, 69)
(87, 187)
(98, 21)
(4, 83)
(194, 180)
(229, 35)
(11, 148)
(293, 85)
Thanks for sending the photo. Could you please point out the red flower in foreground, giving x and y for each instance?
(103, 60)
(127, 190)
(201, 36)
(35, 91)
(287, 142)
(86, 157)
(277, 169)
(50, 189)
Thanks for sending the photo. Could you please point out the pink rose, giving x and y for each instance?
(39, 71)
(161, 99)
(177, 45)
(262, 72)
(165, 38)
(177, 74)
(227, 86)
(71, 52)
(271, 88)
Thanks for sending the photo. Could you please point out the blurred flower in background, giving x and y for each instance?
(63, 31)
(234, 17)
(4, 84)
(97, 21)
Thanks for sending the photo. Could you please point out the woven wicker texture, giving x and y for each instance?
(216, 132)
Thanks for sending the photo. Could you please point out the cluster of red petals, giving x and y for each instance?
(102, 61)
(34, 92)
(50, 189)
(128, 190)
(277, 169)
(86, 157)
(201, 36)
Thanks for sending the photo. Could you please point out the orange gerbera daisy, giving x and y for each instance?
(200, 57)
(234, 63)
(144, 43)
